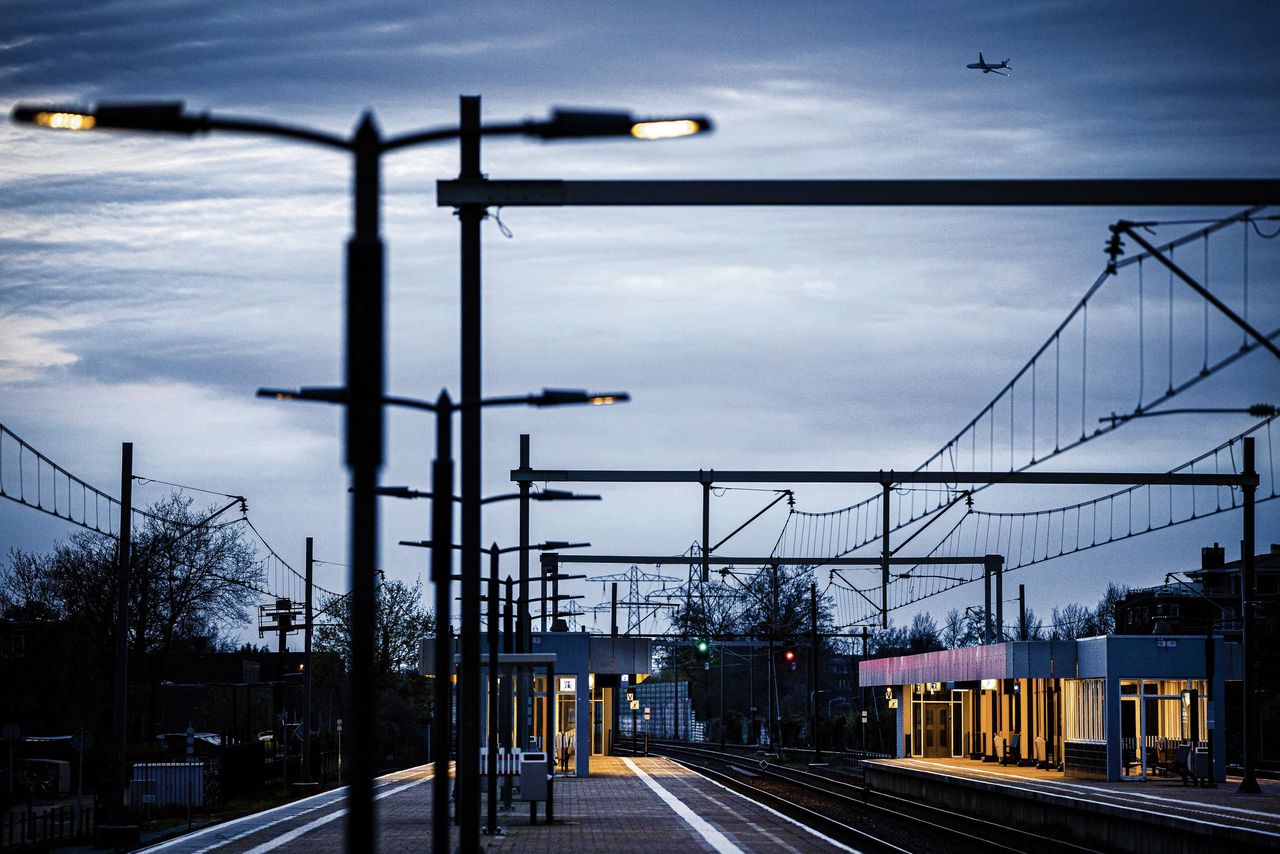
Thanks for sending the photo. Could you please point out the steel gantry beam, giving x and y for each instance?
(992, 564)
(881, 477)
(1248, 479)
(1154, 192)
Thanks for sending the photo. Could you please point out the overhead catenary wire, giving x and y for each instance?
(945, 459)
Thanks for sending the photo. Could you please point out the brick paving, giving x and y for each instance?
(614, 810)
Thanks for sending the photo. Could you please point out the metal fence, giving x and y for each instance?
(37, 827)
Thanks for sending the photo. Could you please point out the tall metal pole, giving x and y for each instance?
(306, 665)
(884, 555)
(544, 561)
(364, 367)
(1022, 612)
(553, 561)
(999, 570)
(524, 628)
(813, 667)
(468, 720)
(123, 555)
(772, 675)
(441, 576)
(492, 717)
(508, 646)
(613, 612)
(706, 529)
(1249, 745)
(987, 633)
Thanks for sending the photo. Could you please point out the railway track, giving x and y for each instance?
(861, 817)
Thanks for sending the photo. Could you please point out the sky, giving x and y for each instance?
(149, 285)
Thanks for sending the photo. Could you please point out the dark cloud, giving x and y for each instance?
(804, 339)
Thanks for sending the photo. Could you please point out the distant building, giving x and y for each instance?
(1211, 596)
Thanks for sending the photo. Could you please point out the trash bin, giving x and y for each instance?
(534, 769)
(1200, 770)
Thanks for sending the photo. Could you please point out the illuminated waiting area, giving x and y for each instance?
(1113, 707)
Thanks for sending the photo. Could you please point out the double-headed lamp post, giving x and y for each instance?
(365, 336)
(441, 544)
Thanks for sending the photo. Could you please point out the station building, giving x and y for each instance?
(592, 679)
(593, 676)
(1112, 707)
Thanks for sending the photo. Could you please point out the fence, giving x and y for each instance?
(31, 828)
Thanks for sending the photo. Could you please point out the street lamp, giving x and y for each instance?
(441, 544)
(365, 336)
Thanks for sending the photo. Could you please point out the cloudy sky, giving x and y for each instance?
(149, 285)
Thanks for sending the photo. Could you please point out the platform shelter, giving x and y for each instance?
(1112, 707)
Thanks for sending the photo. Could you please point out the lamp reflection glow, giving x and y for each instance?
(66, 121)
(665, 129)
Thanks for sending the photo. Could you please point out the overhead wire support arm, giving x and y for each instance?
(965, 494)
(782, 493)
(1127, 228)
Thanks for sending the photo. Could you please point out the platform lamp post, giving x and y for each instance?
(365, 333)
(441, 544)
(564, 125)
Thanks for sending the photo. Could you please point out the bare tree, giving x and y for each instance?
(1104, 616)
(923, 636)
(188, 579)
(1072, 621)
(401, 627)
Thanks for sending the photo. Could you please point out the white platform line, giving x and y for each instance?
(1048, 786)
(284, 839)
(713, 837)
(291, 809)
(840, 846)
(1138, 809)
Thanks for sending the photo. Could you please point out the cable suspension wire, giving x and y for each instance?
(1032, 537)
(30, 478)
(1020, 445)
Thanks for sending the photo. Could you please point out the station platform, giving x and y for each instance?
(626, 805)
(653, 804)
(1139, 815)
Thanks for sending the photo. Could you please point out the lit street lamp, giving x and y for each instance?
(365, 336)
(441, 544)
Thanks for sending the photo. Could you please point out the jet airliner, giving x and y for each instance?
(988, 68)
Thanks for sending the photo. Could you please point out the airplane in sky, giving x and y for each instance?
(988, 68)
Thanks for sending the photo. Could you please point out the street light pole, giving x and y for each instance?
(469, 717)
(306, 648)
(524, 628)
(492, 716)
(365, 372)
(121, 729)
(441, 572)
(364, 459)
(1249, 746)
